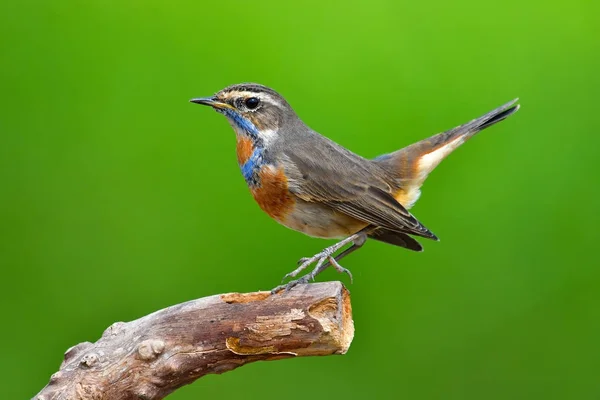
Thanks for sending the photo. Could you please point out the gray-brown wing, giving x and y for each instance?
(350, 184)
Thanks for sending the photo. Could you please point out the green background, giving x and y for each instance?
(118, 197)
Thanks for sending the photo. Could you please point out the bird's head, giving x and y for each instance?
(253, 110)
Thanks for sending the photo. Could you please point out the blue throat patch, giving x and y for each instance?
(252, 166)
(243, 124)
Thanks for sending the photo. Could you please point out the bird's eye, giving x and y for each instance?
(252, 103)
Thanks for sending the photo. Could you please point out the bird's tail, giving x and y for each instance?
(413, 164)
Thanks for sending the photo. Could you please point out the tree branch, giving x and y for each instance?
(152, 356)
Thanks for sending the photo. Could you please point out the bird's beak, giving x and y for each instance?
(211, 101)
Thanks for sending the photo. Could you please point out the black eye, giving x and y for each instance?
(252, 103)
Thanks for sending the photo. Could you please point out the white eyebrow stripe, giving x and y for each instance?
(262, 96)
(271, 100)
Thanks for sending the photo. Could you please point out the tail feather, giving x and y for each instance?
(411, 165)
(501, 117)
(395, 238)
(463, 132)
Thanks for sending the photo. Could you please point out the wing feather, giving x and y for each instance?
(351, 185)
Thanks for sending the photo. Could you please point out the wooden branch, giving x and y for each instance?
(151, 357)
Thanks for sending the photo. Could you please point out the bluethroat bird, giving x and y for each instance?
(311, 184)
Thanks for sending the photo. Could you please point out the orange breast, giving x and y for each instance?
(244, 149)
(272, 193)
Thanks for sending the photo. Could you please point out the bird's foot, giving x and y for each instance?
(323, 259)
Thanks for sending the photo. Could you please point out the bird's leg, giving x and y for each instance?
(324, 255)
(324, 259)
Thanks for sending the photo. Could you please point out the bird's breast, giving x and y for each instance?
(272, 194)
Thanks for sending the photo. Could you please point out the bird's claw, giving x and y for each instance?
(291, 284)
(303, 260)
(339, 268)
(287, 276)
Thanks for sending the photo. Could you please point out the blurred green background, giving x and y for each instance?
(118, 197)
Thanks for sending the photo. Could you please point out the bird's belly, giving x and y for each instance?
(321, 221)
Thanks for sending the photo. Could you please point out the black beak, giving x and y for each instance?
(210, 101)
(207, 101)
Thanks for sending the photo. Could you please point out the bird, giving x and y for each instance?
(311, 184)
